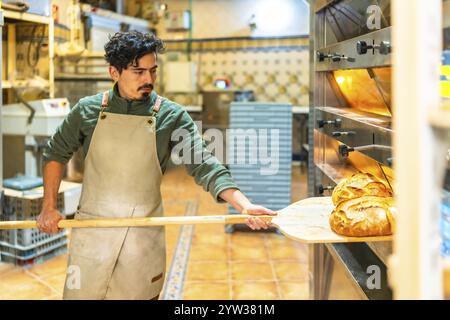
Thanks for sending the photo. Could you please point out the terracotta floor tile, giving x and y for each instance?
(251, 271)
(209, 228)
(208, 252)
(275, 239)
(172, 231)
(291, 271)
(247, 239)
(249, 253)
(217, 239)
(170, 252)
(6, 267)
(207, 271)
(18, 284)
(206, 291)
(293, 290)
(50, 267)
(56, 281)
(255, 291)
(287, 252)
(170, 244)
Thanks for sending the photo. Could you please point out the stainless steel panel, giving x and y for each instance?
(383, 250)
(355, 261)
(337, 167)
(348, 19)
(344, 129)
(366, 133)
(350, 59)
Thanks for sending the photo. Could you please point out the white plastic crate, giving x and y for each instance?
(35, 253)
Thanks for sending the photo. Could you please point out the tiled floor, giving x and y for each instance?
(240, 265)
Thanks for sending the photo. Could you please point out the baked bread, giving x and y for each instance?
(358, 185)
(364, 217)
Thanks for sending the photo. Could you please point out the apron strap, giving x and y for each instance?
(105, 99)
(156, 106)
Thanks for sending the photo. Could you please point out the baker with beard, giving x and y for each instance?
(125, 134)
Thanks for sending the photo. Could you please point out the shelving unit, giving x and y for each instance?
(24, 16)
(12, 18)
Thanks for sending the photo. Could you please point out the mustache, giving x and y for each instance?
(146, 86)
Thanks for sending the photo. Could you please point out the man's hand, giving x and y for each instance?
(48, 220)
(242, 204)
(255, 210)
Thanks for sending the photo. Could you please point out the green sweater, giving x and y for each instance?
(78, 127)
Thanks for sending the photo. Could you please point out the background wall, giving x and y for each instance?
(231, 18)
(271, 59)
(276, 73)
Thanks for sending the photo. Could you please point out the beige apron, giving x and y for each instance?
(122, 179)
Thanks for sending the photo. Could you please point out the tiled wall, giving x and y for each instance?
(276, 72)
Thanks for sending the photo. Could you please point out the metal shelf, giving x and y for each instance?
(20, 84)
(24, 16)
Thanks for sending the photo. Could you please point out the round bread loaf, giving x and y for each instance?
(364, 217)
(358, 185)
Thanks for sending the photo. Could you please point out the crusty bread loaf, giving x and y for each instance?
(358, 185)
(364, 217)
(363, 207)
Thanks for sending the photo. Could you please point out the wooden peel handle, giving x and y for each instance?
(136, 222)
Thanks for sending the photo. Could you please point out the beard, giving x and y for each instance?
(145, 95)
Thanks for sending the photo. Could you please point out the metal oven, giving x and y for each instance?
(351, 131)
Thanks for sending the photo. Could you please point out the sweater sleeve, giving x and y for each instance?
(190, 149)
(67, 138)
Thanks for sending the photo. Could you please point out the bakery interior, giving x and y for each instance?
(358, 90)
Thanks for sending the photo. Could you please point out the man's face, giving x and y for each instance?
(136, 81)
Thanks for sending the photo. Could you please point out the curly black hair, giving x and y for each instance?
(125, 48)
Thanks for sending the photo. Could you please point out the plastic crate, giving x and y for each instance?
(26, 263)
(24, 237)
(27, 209)
(23, 255)
(24, 209)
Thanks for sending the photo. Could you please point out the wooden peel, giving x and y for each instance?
(134, 222)
(305, 221)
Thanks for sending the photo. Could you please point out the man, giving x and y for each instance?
(126, 137)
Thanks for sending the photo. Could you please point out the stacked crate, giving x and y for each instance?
(26, 247)
(274, 190)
